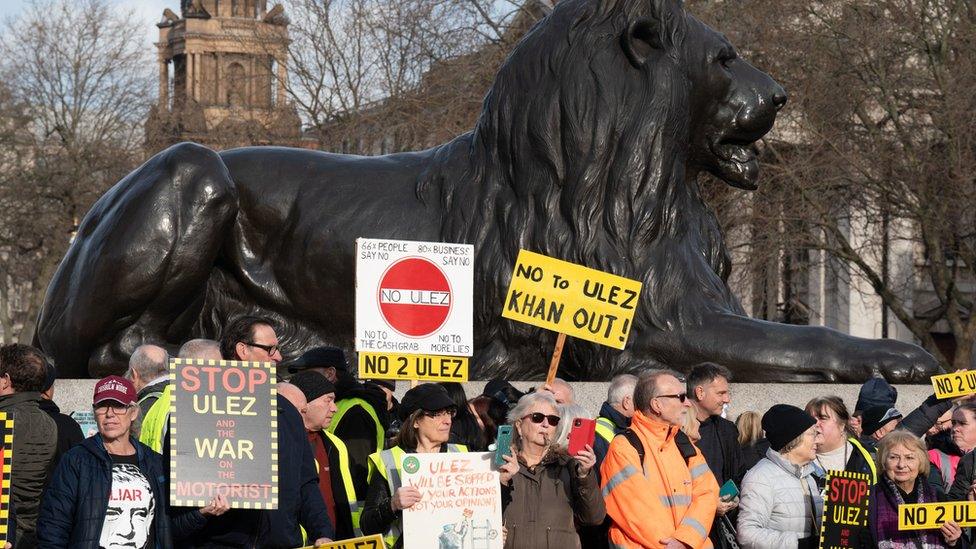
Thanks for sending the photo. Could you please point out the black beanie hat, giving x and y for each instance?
(783, 423)
(312, 384)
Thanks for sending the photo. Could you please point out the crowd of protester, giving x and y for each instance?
(667, 467)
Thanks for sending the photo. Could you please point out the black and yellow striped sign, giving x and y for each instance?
(223, 432)
(845, 511)
(6, 458)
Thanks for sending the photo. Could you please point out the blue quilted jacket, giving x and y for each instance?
(74, 504)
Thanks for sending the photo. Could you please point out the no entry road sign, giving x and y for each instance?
(414, 297)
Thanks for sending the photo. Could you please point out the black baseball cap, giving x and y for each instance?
(319, 357)
(426, 396)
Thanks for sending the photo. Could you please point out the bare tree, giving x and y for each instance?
(77, 82)
(872, 169)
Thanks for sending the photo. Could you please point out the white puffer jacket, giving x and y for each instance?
(772, 511)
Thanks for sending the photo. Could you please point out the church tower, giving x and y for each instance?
(222, 76)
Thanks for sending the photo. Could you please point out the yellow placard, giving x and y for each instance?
(366, 542)
(420, 367)
(571, 299)
(954, 385)
(928, 516)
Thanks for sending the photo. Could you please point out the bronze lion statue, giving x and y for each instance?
(588, 149)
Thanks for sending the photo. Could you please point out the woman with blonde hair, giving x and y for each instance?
(903, 466)
(752, 440)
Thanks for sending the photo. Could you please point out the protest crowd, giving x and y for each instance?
(666, 468)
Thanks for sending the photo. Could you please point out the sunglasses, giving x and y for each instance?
(681, 398)
(539, 417)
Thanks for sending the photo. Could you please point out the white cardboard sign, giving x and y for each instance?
(460, 505)
(414, 297)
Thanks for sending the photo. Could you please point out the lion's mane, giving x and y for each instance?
(575, 157)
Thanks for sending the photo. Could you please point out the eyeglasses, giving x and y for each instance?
(441, 413)
(539, 417)
(270, 349)
(117, 408)
(681, 398)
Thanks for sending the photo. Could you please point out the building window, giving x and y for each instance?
(236, 85)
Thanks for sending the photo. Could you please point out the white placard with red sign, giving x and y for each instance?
(414, 297)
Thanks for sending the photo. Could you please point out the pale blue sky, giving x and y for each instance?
(150, 11)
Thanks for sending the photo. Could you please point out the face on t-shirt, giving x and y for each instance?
(131, 508)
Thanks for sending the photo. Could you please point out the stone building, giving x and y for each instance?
(223, 77)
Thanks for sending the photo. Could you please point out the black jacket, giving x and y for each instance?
(69, 432)
(357, 429)
(719, 445)
(35, 443)
(299, 501)
(75, 502)
(752, 454)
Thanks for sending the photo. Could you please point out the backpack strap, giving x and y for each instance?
(685, 446)
(635, 441)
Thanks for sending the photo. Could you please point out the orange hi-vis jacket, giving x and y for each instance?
(664, 497)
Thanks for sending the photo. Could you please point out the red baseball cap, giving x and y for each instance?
(114, 388)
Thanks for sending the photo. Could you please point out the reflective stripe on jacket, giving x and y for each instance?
(355, 505)
(663, 497)
(154, 426)
(347, 404)
(605, 429)
(388, 464)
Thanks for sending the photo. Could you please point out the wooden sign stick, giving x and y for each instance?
(556, 353)
(414, 383)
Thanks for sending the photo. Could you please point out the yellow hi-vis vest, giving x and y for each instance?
(347, 404)
(156, 423)
(867, 457)
(605, 429)
(355, 505)
(388, 464)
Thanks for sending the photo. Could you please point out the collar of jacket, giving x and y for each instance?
(655, 430)
(787, 465)
(96, 446)
(6, 401)
(618, 419)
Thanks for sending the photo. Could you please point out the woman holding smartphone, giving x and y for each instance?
(545, 491)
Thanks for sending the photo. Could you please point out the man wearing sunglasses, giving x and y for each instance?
(659, 491)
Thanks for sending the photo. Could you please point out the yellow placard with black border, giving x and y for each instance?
(411, 367)
(366, 542)
(955, 384)
(572, 299)
(7, 459)
(929, 516)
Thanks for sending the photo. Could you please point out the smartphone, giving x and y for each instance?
(728, 492)
(503, 444)
(582, 433)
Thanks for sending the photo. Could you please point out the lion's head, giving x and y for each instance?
(589, 144)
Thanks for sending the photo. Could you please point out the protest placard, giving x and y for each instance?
(223, 430)
(413, 367)
(366, 542)
(572, 299)
(86, 420)
(845, 510)
(414, 297)
(460, 505)
(7, 459)
(929, 516)
(955, 384)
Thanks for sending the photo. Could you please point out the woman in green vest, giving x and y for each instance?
(426, 412)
